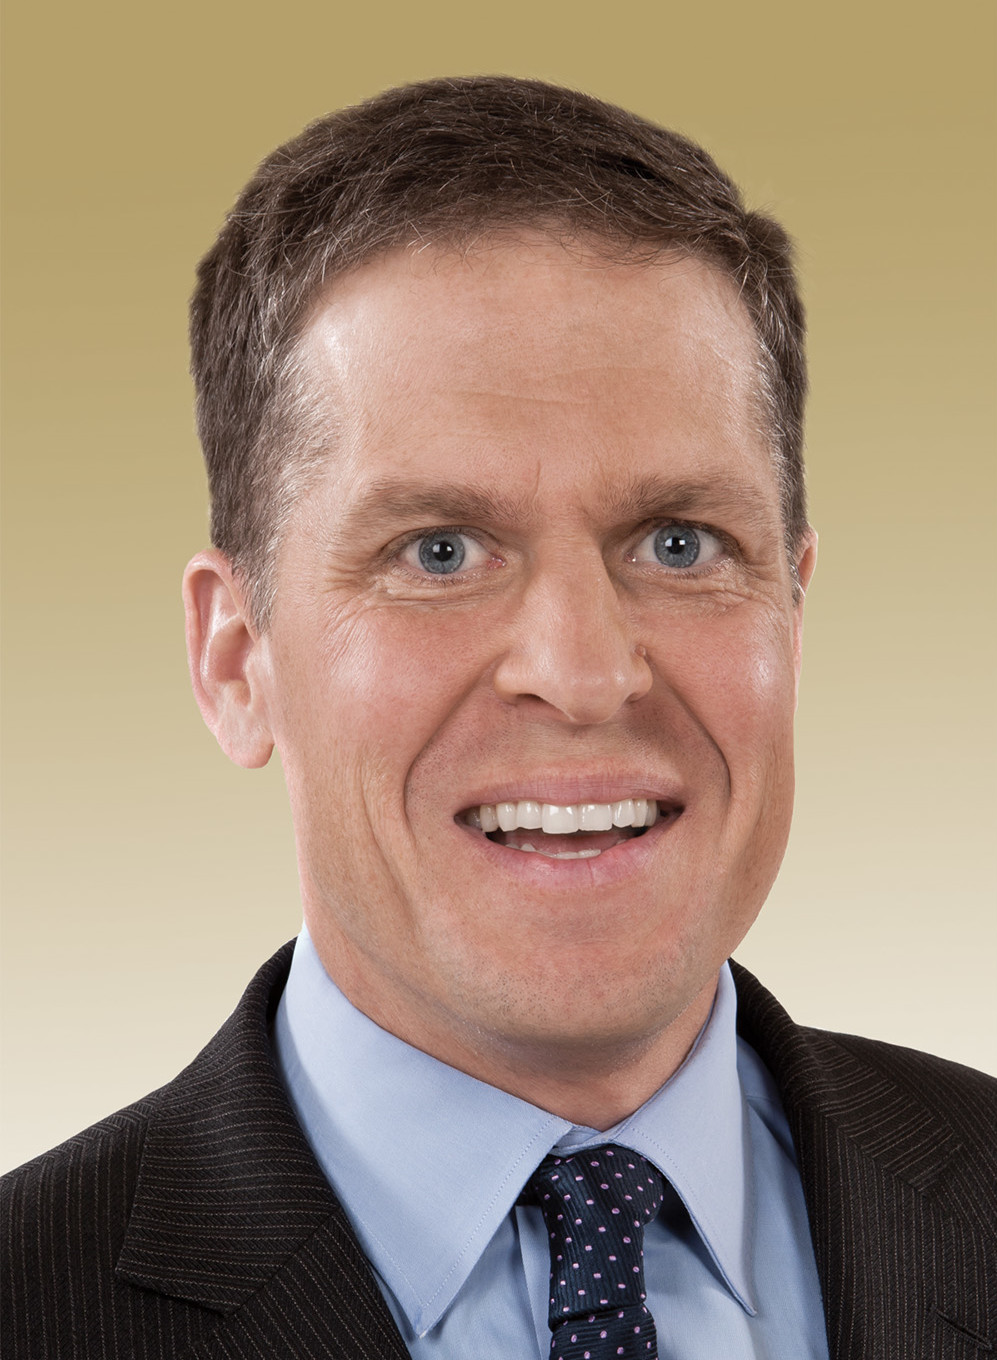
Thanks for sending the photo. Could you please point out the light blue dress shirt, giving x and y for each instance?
(428, 1163)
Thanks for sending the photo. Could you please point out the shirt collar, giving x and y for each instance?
(428, 1161)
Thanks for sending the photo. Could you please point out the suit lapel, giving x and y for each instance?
(232, 1212)
(321, 1304)
(901, 1213)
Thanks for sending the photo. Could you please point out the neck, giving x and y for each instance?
(592, 1085)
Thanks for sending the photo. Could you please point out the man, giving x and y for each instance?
(500, 391)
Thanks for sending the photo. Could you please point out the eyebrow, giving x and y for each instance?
(726, 495)
(389, 501)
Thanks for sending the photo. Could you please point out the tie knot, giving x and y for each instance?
(596, 1204)
(599, 1184)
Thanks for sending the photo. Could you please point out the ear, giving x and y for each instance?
(229, 662)
(806, 560)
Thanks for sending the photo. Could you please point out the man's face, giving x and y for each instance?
(544, 566)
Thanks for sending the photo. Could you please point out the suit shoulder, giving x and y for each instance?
(63, 1218)
(63, 1221)
(963, 1095)
(863, 1083)
(90, 1178)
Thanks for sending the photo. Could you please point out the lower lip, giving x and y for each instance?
(623, 861)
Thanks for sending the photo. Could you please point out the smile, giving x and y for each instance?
(566, 831)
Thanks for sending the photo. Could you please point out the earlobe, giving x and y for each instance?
(228, 662)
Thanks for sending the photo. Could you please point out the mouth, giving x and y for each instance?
(567, 831)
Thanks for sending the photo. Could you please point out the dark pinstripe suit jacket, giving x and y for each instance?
(197, 1224)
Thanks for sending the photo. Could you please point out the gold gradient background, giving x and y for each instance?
(145, 877)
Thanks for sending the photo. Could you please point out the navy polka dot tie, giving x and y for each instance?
(595, 1204)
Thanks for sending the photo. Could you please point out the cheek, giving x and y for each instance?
(735, 672)
(380, 682)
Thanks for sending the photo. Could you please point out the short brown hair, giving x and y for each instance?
(449, 160)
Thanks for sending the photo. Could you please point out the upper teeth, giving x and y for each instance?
(558, 820)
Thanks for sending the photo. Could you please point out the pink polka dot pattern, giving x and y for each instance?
(596, 1204)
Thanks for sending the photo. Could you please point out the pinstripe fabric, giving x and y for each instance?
(196, 1225)
(898, 1155)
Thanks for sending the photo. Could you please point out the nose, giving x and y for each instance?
(573, 647)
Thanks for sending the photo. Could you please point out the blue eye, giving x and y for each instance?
(676, 547)
(442, 553)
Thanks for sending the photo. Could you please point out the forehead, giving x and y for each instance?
(532, 344)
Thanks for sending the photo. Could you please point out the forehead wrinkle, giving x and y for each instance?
(566, 386)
